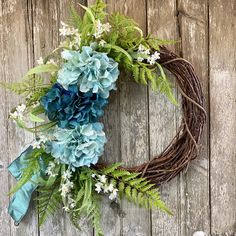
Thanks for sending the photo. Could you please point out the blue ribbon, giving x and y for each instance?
(20, 201)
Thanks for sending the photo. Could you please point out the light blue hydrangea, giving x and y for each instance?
(91, 70)
(77, 147)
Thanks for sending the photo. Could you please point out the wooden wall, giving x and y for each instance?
(139, 123)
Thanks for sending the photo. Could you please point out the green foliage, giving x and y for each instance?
(125, 31)
(135, 188)
(98, 10)
(49, 201)
(75, 18)
(86, 201)
(155, 43)
(31, 167)
(32, 88)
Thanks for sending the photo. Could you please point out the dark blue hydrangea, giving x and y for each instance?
(71, 108)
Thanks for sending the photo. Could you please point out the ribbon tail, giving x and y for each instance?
(20, 201)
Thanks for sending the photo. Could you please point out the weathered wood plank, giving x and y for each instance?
(47, 18)
(46, 23)
(17, 51)
(223, 113)
(5, 227)
(110, 215)
(163, 118)
(194, 184)
(133, 123)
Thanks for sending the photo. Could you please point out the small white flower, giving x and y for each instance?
(64, 190)
(146, 52)
(67, 174)
(151, 60)
(14, 114)
(69, 184)
(156, 55)
(64, 24)
(106, 27)
(36, 144)
(141, 48)
(43, 139)
(101, 28)
(51, 61)
(40, 61)
(77, 38)
(102, 43)
(113, 195)
(102, 178)
(98, 29)
(66, 208)
(108, 188)
(98, 186)
(72, 205)
(93, 175)
(51, 164)
(21, 108)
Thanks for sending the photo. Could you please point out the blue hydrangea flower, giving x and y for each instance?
(77, 147)
(90, 70)
(71, 107)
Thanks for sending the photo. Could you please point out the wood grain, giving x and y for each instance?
(194, 184)
(223, 112)
(133, 124)
(163, 117)
(138, 123)
(17, 57)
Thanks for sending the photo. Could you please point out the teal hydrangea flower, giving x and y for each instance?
(77, 147)
(90, 70)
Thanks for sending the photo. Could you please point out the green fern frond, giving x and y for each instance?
(135, 188)
(49, 201)
(109, 169)
(75, 18)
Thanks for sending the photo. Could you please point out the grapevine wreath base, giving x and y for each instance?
(184, 146)
(65, 96)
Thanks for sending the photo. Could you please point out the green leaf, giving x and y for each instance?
(164, 86)
(111, 168)
(89, 11)
(35, 118)
(42, 69)
(49, 201)
(119, 49)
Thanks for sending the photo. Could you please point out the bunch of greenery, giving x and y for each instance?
(122, 43)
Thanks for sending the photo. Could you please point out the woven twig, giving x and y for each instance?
(184, 147)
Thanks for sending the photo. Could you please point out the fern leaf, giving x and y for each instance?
(49, 201)
(111, 168)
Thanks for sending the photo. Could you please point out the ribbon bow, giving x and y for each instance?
(20, 201)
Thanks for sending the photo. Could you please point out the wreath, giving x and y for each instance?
(65, 96)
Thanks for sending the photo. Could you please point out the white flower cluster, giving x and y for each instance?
(42, 139)
(19, 112)
(102, 43)
(50, 169)
(151, 59)
(101, 28)
(66, 186)
(103, 186)
(66, 30)
(41, 62)
(72, 32)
